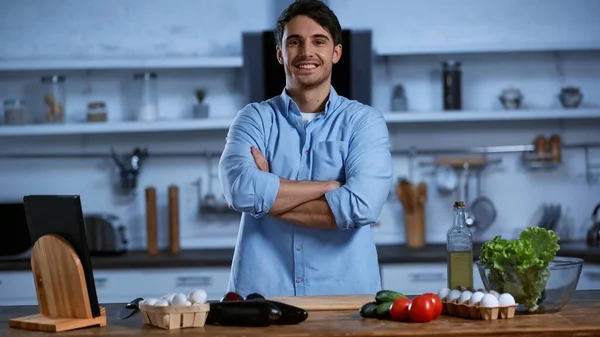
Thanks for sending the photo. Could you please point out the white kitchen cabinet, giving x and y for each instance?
(17, 288)
(121, 286)
(418, 278)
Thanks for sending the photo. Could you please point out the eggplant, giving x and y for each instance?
(289, 314)
(243, 313)
(255, 296)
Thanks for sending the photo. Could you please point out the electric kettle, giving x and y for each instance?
(593, 234)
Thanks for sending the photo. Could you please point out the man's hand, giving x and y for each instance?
(259, 159)
(313, 213)
(263, 165)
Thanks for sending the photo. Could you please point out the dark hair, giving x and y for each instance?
(316, 10)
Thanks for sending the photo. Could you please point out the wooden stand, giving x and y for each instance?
(61, 289)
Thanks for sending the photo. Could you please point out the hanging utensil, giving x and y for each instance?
(483, 210)
(446, 179)
(469, 217)
(129, 172)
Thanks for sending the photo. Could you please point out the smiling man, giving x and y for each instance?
(310, 171)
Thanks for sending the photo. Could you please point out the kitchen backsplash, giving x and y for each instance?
(516, 193)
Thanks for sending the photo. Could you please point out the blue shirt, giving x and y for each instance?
(349, 143)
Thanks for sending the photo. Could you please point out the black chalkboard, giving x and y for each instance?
(62, 215)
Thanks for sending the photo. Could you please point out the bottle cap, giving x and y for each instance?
(459, 204)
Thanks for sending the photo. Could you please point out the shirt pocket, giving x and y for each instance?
(329, 160)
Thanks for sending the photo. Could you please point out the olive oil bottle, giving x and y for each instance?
(459, 242)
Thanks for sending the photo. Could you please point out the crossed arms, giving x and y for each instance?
(250, 187)
(300, 202)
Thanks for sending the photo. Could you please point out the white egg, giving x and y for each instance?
(495, 293)
(506, 299)
(443, 293)
(477, 296)
(179, 299)
(197, 296)
(149, 301)
(465, 296)
(169, 297)
(489, 301)
(161, 303)
(188, 303)
(454, 295)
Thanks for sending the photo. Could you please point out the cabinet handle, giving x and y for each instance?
(427, 277)
(194, 281)
(593, 275)
(0, 282)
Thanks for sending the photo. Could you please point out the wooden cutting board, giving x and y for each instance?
(326, 302)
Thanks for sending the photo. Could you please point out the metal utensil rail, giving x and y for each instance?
(411, 152)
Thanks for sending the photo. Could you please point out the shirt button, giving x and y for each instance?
(298, 280)
(298, 248)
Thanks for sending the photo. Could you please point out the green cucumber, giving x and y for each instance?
(368, 310)
(388, 296)
(383, 309)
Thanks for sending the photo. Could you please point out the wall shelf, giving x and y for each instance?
(114, 127)
(120, 63)
(491, 115)
(483, 49)
(224, 123)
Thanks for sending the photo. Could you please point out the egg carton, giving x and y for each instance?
(475, 311)
(175, 317)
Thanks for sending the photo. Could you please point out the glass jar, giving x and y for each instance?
(399, 101)
(15, 112)
(146, 97)
(54, 98)
(96, 112)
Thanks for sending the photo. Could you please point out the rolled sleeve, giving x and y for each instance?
(246, 188)
(266, 186)
(369, 172)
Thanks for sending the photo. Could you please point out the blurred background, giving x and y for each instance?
(493, 102)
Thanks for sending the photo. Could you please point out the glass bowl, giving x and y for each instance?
(552, 287)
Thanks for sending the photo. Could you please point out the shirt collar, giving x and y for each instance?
(291, 108)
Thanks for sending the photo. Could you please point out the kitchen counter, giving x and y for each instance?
(576, 319)
(388, 254)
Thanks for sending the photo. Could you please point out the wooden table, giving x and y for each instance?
(579, 318)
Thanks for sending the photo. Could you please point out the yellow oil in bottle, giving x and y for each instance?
(460, 269)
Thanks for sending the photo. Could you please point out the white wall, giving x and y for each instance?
(189, 28)
(71, 28)
(433, 25)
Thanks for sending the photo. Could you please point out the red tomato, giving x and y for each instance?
(399, 309)
(422, 309)
(437, 303)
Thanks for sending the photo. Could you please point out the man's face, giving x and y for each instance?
(308, 52)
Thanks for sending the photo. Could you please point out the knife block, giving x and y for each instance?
(61, 289)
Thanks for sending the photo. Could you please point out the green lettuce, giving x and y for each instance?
(521, 267)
